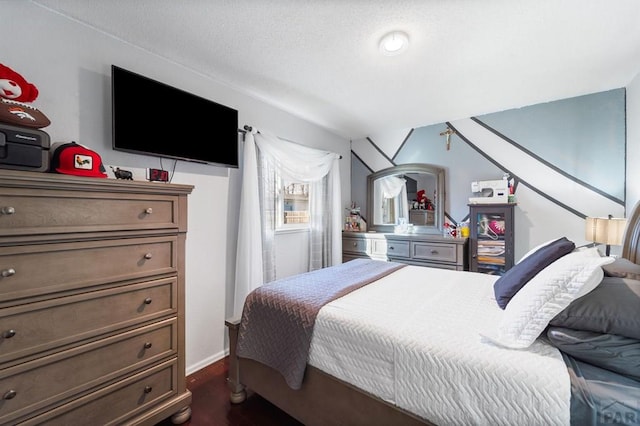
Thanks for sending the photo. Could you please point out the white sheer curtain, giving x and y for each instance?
(387, 188)
(267, 157)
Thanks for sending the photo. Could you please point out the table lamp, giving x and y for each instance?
(605, 230)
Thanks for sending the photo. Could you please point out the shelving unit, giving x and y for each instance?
(491, 242)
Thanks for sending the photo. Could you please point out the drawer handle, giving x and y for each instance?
(355, 244)
(10, 394)
(148, 256)
(434, 251)
(7, 210)
(390, 247)
(7, 272)
(147, 301)
(147, 345)
(9, 334)
(148, 389)
(148, 210)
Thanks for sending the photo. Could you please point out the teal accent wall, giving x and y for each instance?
(583, 136)
(572, 150)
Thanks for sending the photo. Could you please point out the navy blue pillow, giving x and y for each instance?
(515, 278)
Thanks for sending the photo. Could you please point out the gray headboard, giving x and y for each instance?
(631, 239)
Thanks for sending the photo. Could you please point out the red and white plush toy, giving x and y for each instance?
(14, 92)
(13, 86)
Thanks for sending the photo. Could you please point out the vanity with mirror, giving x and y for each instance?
(405, 214)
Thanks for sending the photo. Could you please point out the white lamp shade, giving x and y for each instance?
(605, 230)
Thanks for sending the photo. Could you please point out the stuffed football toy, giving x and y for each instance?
(14, 92)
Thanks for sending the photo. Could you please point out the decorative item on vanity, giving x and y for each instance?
(463, 227)
(605, 230)
(424, 203)
(450, 230)
(355, 222)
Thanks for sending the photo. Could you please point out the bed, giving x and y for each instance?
(414, 345)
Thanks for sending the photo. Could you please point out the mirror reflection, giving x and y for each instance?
(407, 198)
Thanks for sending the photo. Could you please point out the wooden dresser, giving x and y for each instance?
(91, 300)
(416, 249)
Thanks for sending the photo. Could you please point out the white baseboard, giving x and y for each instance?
(206, 362)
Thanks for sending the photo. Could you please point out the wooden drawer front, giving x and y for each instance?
(44, 326)
(434, 251)
(115, 404)
(43, 382)
(47, 212)
(45, 268)
(354, 245)
(391, 248)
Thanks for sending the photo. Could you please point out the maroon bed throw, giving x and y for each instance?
(278, 317)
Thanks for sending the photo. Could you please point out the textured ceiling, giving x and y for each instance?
(319, 59)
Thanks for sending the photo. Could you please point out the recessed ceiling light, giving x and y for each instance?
(394, 43)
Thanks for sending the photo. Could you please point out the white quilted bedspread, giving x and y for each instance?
(413, 339)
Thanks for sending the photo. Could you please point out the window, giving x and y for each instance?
(294, 202)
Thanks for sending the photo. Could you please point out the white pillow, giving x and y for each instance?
(546, 295)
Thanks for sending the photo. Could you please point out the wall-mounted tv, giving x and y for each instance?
(153, 118)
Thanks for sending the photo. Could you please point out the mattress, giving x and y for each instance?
(413, 339)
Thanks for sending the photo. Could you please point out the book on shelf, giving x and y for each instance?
(491, 260)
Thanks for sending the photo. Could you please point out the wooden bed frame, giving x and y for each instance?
(325, 400)
(322, 399)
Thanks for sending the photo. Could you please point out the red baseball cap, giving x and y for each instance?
(74, 159)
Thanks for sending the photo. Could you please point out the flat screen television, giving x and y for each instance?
(153, 118)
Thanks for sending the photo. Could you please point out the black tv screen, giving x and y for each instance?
(156, 119)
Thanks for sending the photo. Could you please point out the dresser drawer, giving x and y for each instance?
(44, 326)
(44, 382)
(117, 403)
(355, 245)
(390, 248)
(53, 212)
(47, 381)
(46, 268)
(434, 251)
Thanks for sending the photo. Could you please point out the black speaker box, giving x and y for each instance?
(24, 148)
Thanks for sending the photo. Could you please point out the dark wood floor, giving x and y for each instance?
(211, 404)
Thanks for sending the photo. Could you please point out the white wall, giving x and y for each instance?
(70, 64)
(633, 143)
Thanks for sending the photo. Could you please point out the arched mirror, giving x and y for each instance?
(406, 194)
